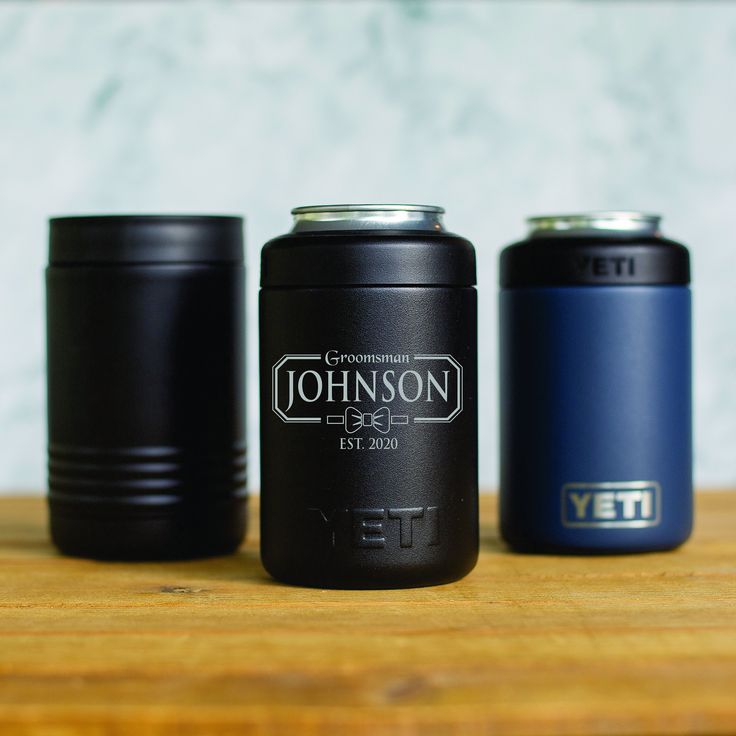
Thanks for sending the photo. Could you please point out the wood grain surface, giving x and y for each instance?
(525, 644)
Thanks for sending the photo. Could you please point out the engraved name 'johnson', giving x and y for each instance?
(373, 390)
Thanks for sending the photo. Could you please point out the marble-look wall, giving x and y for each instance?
(493, 109)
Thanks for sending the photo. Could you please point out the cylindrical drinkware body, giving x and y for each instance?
(146, 371)
(368, 399)
(595, 389)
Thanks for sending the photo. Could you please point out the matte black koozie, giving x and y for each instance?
(368, 399)
(146, 400)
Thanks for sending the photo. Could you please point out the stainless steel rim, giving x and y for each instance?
(314, 209)
(367, 217)
(616, 220)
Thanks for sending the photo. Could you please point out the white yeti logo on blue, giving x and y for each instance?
(632, 504)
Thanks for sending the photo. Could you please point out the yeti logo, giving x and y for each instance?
(629, 504)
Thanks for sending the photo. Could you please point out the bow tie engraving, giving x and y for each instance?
(354, 419)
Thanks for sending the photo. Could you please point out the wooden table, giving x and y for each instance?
(543, 645)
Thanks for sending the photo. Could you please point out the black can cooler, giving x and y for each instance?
(368, 351)
(146, 396)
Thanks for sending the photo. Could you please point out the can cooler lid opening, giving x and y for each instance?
(356, 245)
(611, 221)
(349, 217)
(607, 248)
(104, 239)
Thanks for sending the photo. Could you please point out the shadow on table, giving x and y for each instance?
(243, 566)
(491, 542)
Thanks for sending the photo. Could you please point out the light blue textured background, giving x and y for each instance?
(495, 110)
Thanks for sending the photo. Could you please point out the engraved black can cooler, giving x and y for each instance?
(368, 351)
(146, 396)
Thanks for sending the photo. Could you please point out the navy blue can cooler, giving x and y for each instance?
(595, 387)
